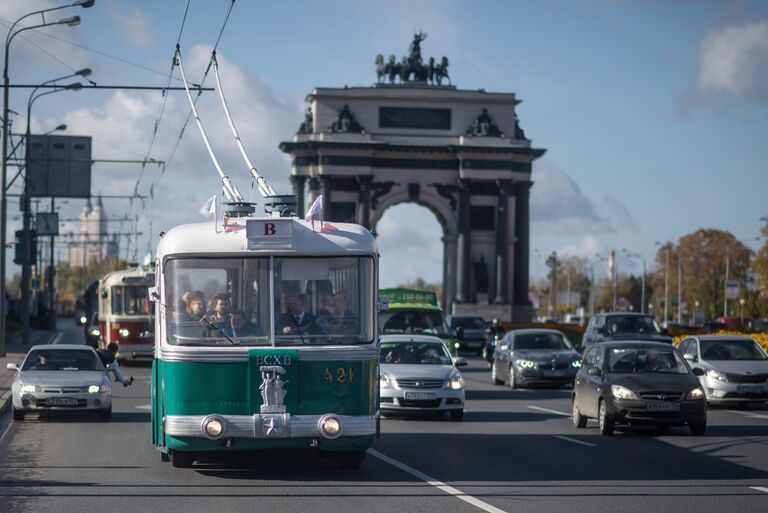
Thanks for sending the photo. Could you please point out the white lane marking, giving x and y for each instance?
(143, 407)
(547, 410)
(569, 439)
(750, 414)
(56, 339)
(437, 484)
(760, 488)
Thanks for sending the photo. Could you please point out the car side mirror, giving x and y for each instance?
(593, 371)
(461, 362)
(459, 333)
(698, 371)
(12, 366)
(690, 357)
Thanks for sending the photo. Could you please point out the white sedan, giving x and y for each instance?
(418, 375)
(61, 378)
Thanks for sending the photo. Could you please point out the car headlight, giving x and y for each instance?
(95, 389)
(576, 364)
(95, 332)
(525, 364)
(620, 392)
(456, 382)
(123, 332)
(719, 376)
(386, 381)
(28, 389)
(456, 345)
(696, 393)
(83, 320)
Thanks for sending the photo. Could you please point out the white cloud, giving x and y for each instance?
(134, 26)
(621, 214)
(734, 61)
(558, 206)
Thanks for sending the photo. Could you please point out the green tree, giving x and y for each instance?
(758, 300)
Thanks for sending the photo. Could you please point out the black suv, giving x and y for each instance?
(473, 332)
(622, 326)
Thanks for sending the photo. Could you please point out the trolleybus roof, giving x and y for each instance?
(297, 237)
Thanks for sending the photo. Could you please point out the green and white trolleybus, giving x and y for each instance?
(265, 327)
(291, 374)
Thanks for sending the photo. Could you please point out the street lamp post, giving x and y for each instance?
(27, 214)
(666, 283)
(70, 21)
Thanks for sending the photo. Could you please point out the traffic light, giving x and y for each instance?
(18, 251)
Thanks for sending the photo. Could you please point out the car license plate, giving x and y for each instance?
(671, 406)
(552, 373)
(62, 401)
(749, 389)
(419, 396)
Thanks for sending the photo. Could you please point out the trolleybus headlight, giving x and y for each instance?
(124, 332)
(213, 427)
(330, 425)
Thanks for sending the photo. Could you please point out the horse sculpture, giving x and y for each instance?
(381, 68)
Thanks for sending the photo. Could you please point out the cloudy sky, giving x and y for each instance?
(654, 114)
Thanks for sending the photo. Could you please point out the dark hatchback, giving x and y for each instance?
(638, 384)
(473, 337)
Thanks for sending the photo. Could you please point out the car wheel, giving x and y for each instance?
(164, 457)
(606, 421)
(579, 420)
(18, 414)
(495, 375)
(350, 460)
(181, 459)
(106, 415)
(698, 428)
(512, 378)
(456, 415)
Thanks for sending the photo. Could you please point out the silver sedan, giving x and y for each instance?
(417, 374)
(61, 378)
(735, 367)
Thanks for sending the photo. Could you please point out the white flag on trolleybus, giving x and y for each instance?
(316, 210)
(209, 207)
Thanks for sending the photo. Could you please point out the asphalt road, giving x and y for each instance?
(516, 451)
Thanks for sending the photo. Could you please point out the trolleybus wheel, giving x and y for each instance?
(181, 459)
(350, 460)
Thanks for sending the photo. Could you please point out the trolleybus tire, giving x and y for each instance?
(18, 414)
(350, 460)
(181, 459)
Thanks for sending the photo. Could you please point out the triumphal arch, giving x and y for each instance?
(414, 137)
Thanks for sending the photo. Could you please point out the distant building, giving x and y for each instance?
(93, 241)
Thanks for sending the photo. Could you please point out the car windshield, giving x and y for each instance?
(420, 353)
(725, 349)
(468, 323)
(635, 360)
(62, 360)
(540, 342)
(632, 324)
(227, 301)
(428, 322)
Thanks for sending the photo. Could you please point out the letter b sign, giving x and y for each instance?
(269, 229)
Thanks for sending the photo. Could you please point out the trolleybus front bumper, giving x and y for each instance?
(269, 425)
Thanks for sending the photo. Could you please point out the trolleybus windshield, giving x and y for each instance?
(130, 300)
(269, 300)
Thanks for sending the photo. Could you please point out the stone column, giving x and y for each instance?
(326, 186)
(502, 242)
(463, 260)
(298, 190)
(314, 190)
(364, 201)
(449, 272)
(522, 246)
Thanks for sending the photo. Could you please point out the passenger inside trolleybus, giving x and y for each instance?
(295, 289)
